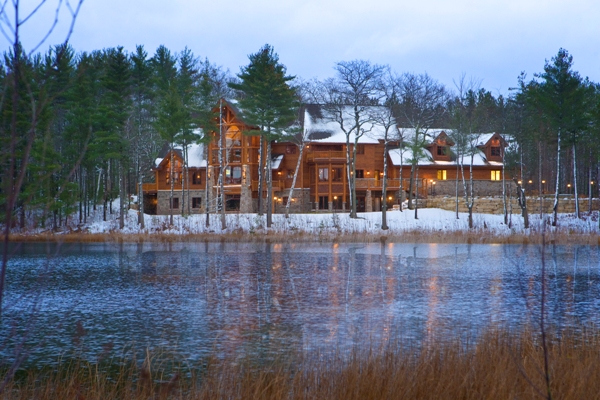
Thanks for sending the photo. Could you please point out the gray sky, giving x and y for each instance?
(489, 40)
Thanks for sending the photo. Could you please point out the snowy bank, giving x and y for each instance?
(430, 221)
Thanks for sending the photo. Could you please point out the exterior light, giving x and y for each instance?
(568, 185)
(544, 181)
(519, 182)
(275, 198)
(279, 173)
(390, 197)
(368, 172)
(335, 197)
(530, 181)
(433, 182)
(592, 182)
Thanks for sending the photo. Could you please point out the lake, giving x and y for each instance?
(187, 300)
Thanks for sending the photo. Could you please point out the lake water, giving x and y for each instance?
(187, 300)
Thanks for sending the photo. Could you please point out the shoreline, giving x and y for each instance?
(476, 237)
(432, 226)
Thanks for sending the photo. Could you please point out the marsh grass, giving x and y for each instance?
(414, 236)
(500, 365)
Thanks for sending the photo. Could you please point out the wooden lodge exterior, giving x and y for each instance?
(321, 184)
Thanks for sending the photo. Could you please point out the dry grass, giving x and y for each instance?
(501, 366)
(416, 236)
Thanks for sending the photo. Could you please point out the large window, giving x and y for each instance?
(496, 175)
(323, 174)
(176, 178)
(323, 202)
(196, 178)
(233, 175)
(441, 175)
(336, 174)
(196, 202)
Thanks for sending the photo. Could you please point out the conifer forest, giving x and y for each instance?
(80, 129)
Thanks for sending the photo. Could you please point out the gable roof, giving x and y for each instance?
(196, 158)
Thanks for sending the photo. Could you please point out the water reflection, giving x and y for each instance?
(259, 300)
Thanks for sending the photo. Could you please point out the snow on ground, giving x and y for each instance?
(430, 220)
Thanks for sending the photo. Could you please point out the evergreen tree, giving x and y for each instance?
(269, 102)
(170, 112)
(561, 95)
(144, 142)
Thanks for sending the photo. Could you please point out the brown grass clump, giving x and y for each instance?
(501, 366)
(416, 236)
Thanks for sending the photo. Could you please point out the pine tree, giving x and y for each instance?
(143, 139)
(269, 102)
(561, 96)
(170, 112)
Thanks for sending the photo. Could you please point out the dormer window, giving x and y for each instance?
(442, 151)
(495, 151)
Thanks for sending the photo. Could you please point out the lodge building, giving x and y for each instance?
(321, 183)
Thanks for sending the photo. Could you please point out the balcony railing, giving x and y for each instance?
(372, 183)
(277, 185)
(326, 155)
(149, 187)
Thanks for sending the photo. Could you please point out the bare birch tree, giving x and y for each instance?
(348, 99)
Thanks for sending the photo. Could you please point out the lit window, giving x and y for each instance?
(496, 175)
(336, 174)
(441, 175)
(324, 174)
(196, 179)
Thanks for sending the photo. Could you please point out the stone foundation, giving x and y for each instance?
(300, 201)
(480, 188)
(493, 205)
(163, 196)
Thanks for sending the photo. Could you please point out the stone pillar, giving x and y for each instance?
(331, 206)
(368, 202)
(212, 207)
(246, 191)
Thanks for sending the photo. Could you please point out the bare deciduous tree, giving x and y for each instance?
(348, 99)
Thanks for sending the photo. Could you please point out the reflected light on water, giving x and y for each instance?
(262, 300)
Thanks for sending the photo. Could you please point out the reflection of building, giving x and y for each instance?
(322, 182)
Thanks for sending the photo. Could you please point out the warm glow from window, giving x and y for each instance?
(441, 174)
(496, 175)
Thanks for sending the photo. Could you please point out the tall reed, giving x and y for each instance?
(499, 365)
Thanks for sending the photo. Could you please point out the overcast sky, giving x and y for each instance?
(489, 40)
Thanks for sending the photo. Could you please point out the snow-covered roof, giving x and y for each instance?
(482, 138)
(196, 158)
(322, 127)
(407, 135)
(405, 156)
(276, 161)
